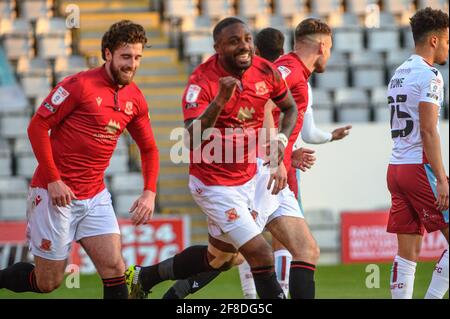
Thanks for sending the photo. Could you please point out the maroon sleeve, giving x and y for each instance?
(141, 131)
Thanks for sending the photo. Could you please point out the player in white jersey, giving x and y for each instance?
(416, 176)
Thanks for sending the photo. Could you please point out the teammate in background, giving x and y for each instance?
(269, 44)
(226, 92)
(416, 176)
(68, 201)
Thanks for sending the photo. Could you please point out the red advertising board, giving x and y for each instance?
(364, 239)
(146, 244)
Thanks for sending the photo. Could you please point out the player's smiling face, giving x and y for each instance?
(235, 48)
(123, 62)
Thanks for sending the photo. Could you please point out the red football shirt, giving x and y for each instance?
(87, 113)
(296, 76)
(245, 110)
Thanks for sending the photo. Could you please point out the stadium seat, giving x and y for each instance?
(65, 66)
(53, 38)
(17, 38)
(397, 7)
(407, 37)
(217, 9)
(5, 158)
(35, 76)
(383, 39)
(435, 4)
(348, 39)
(26, 162)
(367, 69)
(34, 9)
(252, 8)
(325, 7)
(352, 105)
(357, 7)
(125, 189)
(13, 194)
(336, 74)
(286, 8)
(7, 9)
(322, 106)
(378, 99)
(179, 9)
(13, 125)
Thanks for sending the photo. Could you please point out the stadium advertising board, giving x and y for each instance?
(364, 239)
(147, 244)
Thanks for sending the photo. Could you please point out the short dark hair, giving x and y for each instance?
(427, 20)
(270, 43)
(223, 24)
(311, 26)
(121, 33)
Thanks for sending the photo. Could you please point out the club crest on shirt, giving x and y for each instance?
(261, 88)
(113, 127)
(245, 114)
(46, 245)
(284, 71)
(128, 108)
(232, 215)
(59, 96)
(193, 93)
(36, 201)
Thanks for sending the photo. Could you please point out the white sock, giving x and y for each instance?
(402, 278)
(439, 282)
(283, 260)
(247, 283)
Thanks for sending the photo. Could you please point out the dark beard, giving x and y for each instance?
(115, 72)
(233, 67)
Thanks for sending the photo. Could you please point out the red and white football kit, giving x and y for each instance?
(86, 114)
(410, 179)
(296, 76)
(223, 189)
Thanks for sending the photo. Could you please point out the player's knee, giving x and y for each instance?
(113, 268)
(224, 261)
(47, 285)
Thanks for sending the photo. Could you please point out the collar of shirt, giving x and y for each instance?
(306, 72)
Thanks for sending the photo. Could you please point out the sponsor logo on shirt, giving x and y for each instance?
(261, 88)
(191, 106)
(128, 108)
(193, 93)
(49, 107)
(59, 96)
(232, 215)
(46, 245)
(36, 201)
(435, 85)
(284, 71)
(245, 113)
(113, 127)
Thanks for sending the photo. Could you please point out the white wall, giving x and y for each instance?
(351, 174)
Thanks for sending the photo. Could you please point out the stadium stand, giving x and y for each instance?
(37, 51)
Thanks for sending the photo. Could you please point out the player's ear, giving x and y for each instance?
(433, 41)
(108, 54)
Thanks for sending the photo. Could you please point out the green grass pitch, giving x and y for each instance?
(335, 282)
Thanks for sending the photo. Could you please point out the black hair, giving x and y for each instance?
(223, 24)
(270, 43)
(427, 20)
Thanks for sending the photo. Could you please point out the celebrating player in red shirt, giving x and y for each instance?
(86, 113)
(227, 92)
